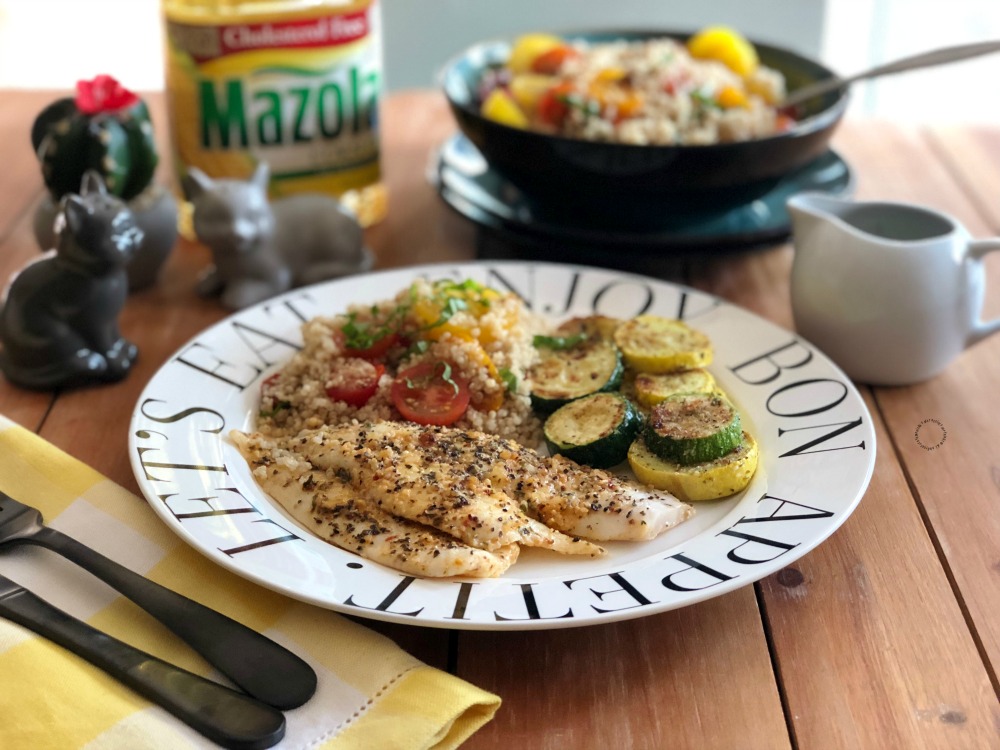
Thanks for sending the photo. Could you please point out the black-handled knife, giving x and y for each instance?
(223, 715)
(263, 668)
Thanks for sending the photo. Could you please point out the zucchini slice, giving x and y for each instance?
(691, 428)
(596, 326)
(657, 345)
(706, 481)
(595, 430)
(563, 375)
(651, 389)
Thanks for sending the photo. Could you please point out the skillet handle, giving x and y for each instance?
(224, 716)
(264, 669)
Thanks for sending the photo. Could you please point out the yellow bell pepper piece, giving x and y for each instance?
(725, 45)
(731, 97)
(490, 401)
(527, 89)
(626, 102)
(500, 107)
(610, 75)
(429, 311)
(529, 47)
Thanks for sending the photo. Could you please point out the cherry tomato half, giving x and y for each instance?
(269, 383)
(376, 350)
(552, 106)
(354, 381)
(550, 62)
(430, 393)
(783, 122)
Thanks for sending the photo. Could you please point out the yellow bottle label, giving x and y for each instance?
(298, 91)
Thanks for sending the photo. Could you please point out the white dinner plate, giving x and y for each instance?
(817, 453)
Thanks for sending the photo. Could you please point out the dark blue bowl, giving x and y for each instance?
(625, 183)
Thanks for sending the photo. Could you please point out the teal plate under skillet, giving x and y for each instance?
(468, 185)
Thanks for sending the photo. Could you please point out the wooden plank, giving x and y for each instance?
(861, 662)
(698, 677)
(20, 178)
(418, 228)
(27, 408)
(20, 187)
(872, 648)
(946, 453)
(971, 152)
(756, 280)
(944, 429)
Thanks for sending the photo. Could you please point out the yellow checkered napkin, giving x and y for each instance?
(371, 693)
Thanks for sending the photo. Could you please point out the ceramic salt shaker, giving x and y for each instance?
(260, 247)
(59, 315)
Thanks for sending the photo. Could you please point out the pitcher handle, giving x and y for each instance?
(980, 329)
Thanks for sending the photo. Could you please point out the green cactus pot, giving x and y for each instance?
(107, 129)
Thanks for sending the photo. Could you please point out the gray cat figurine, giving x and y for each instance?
(261, 248)
(59, 319)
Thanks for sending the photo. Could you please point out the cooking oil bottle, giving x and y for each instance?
(295, 83)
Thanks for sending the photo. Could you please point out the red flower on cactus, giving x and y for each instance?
(103, 94)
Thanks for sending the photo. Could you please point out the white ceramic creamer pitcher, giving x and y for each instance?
(891, 292)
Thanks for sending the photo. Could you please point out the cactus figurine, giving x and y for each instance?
(106, 129)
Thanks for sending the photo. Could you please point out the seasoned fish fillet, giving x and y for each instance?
(594, 504)
(334, 512)
(435, 476)
(573, 499)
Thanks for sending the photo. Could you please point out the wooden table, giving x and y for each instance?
(886, 636)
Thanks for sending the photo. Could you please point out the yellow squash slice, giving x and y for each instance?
(651, 389)
(659, 345)
(706, 481)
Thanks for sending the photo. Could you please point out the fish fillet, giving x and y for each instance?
(334, 512)
(432, 461)
(595, 504)
(434, 476)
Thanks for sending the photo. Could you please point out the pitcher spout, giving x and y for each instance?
(808, 209)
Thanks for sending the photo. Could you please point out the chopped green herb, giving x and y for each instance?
(509, 379)
(278, 407)
(365, 334)
(446, 377)
(589, 107)
(420, 346)
(451, 306)
(558, 342)
(704, 99)
(447, 285)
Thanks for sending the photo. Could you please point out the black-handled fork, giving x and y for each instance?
(264, 669)
(225, 716)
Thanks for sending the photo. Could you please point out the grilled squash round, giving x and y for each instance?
(696, 482)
